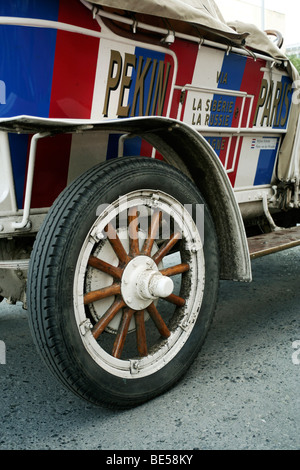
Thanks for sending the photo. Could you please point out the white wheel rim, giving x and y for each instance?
(165, 350)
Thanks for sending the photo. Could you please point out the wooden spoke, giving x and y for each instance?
(173, 270)
(103, 293)
(141, 333)
(107, 317)
(116, 243)
(152, 232)
(166, 247)
(174, 299)
(122, 333)
(115, 288)
(105, 267)
(133, 223)
(159, 323)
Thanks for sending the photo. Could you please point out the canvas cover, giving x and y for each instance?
(204, 13)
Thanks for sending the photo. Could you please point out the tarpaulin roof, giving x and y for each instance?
(202, 13)
(199, 12)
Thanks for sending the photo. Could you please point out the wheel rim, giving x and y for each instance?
(143, 256)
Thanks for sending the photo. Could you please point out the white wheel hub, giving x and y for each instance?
(142, 283)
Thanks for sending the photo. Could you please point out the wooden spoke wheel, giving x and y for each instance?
(123, 277)
(123, 282)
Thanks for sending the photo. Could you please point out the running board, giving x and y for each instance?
(15, 265)
(279, 240)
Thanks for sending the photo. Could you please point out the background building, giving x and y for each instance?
(294, 50)
(275, 14)
(251, 12)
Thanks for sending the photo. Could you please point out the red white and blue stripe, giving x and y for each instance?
(61, 74)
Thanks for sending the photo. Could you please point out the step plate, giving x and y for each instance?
(279, 240)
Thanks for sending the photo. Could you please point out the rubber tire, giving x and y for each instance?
(51, 277)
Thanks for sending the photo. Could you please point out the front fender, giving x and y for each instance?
(182, 146)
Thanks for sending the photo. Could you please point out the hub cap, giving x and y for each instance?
(142, 283)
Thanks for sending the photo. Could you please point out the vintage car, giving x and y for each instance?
(148, 150)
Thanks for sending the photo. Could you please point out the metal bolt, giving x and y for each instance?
(184, 325)
(85, 326)
(134, 366)
(193, 247)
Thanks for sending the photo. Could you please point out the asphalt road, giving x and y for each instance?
(242, 392)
